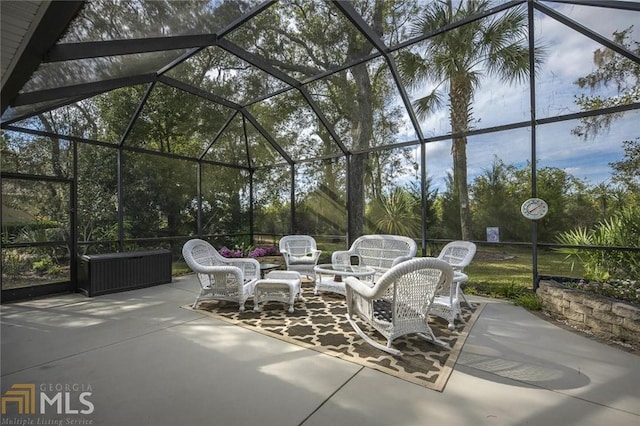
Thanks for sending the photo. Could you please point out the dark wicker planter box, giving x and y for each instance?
(115, 272)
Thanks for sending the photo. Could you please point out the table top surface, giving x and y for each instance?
(267, 266)
(345, 270)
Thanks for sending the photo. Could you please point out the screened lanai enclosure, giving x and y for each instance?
(137, 125)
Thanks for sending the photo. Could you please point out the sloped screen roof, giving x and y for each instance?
(193, 77)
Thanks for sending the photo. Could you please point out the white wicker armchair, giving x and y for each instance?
(378, 251)
(220, 278)
(300, 254)
(399, 302)
(458, 254)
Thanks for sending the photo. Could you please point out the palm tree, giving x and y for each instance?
(395, 213)
(455, 60)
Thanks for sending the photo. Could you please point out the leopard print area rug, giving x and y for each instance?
(319, 323)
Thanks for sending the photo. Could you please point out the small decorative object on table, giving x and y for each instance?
(330, 276)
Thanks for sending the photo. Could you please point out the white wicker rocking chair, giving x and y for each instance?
(399, 302)
(220, 278)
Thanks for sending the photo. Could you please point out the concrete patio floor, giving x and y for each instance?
(144, 360)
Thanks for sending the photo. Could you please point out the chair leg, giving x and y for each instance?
(432, 338)
(465, 299)
(456, 314)
(293, 293)
(371, 341)
(195, 303)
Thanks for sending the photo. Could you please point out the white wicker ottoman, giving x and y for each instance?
(277, 286)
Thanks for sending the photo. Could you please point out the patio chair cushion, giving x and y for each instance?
(302, 259)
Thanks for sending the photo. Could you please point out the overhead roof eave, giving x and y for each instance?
(45, 30)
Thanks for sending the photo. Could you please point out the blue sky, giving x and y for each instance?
(569, 56)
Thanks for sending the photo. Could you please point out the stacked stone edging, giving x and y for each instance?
(604, 317)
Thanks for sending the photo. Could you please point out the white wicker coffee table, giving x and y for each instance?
(277, 286)
(329, 277)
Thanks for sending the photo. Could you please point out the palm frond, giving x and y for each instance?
(414, 70)
(428, 104)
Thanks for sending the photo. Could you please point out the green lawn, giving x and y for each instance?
(499, 271)
(180, 268)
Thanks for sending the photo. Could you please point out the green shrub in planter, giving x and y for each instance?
(620, 230)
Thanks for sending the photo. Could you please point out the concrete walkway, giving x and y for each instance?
(142, 360)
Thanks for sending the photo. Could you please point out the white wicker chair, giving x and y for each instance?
(458, 254)
(300, 254)
(378, 251)
(221, 278)
(399, 302)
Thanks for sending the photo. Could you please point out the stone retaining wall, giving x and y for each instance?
(604, 317)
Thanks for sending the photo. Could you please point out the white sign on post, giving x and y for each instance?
(493, 234)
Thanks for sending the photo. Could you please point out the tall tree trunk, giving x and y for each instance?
(362, 133)
(362, 121)
(355, 225)
(459, 148)
(460, 116)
